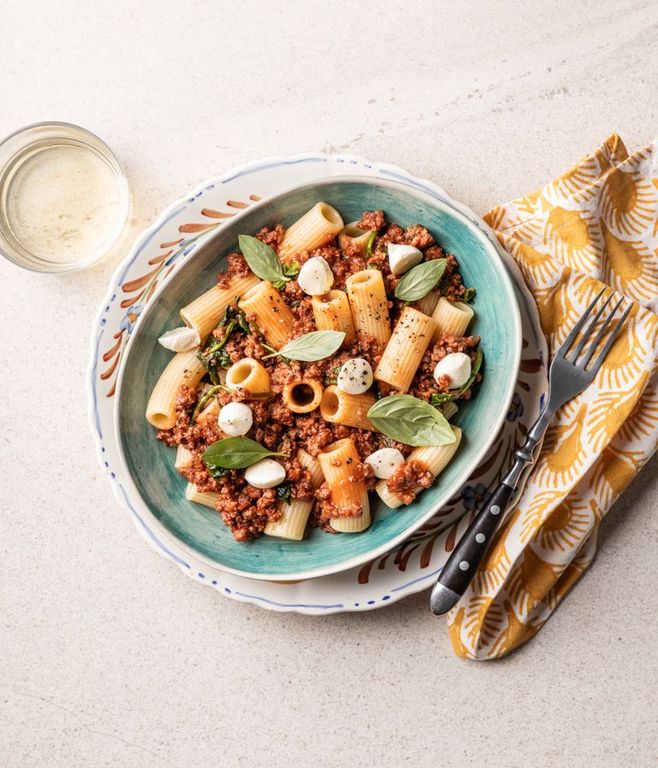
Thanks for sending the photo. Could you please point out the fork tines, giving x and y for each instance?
(587, 348)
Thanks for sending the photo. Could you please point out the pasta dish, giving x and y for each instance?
(325, 363)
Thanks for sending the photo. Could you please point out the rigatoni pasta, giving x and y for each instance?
(353, 239)
(411, 337)
(207, 498)
(367, 295)
(449, 409)
(302, 395)
(184, 369)
(342, 469)
(295, 513)
(315, 228)
(249, 375)
(452, 317)
(332, 312)
(183, 457)
(273, 316)
(428, 303)
(205, 312)
(350, 410)
(209, 413)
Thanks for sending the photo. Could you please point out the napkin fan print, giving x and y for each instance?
(595, 226)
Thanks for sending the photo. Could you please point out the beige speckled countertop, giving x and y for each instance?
(108, 655)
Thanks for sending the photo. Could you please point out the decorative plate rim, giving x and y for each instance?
(392, 172)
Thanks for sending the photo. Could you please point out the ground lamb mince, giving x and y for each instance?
(408, 479)
(247, 510)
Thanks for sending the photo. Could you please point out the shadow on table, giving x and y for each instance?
(629, 503)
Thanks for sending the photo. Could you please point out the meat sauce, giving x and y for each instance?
(247, 510)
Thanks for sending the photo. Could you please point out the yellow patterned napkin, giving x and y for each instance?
(595, 226)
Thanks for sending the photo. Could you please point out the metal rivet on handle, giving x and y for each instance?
(463, 565)
(480, 537)
(495, 509)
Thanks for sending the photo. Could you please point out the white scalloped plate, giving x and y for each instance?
(413, 565)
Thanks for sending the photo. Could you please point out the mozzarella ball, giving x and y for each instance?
(315, 277)
(355, 376)
(401, 258)
(180, 339)
(266, 473)
(456, 366)
(235, 419)
(385, 461)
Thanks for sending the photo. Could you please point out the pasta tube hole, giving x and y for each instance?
(302, 396)
(160, 420)
(330, 214)
(330, 404)
(250, 375)
(353, 230)
(361, 278)
(239, 374)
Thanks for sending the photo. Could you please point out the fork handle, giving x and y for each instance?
(462, 564)
(466, 557)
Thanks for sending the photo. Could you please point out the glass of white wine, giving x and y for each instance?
(64, 198)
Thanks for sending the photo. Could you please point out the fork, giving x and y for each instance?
(568, 377)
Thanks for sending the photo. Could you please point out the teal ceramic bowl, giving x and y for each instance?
(150, 464)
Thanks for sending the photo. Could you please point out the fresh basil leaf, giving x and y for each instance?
(236, 453)
(412, 421)
(284, 492)
(217, 473)
(262, 260)
(244, 325)
(420, 280)
(214, 356)
(291, 269)
(439, 398)
(311, 346)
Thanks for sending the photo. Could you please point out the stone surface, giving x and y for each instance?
(108, 655)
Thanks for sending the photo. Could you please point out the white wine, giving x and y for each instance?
(62, 202)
